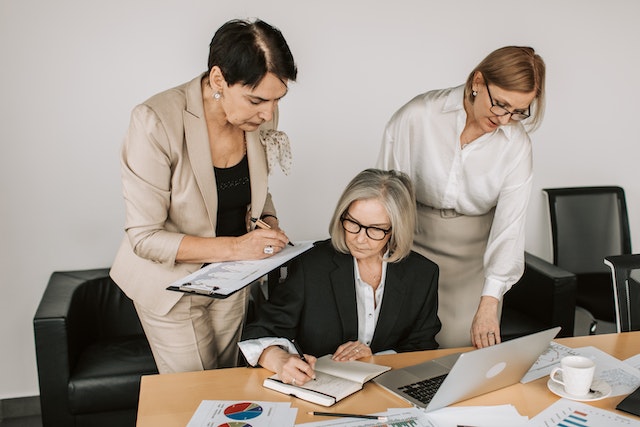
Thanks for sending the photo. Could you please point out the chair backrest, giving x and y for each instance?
(587, 224)
(625, 275)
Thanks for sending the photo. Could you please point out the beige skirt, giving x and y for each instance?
(457, 244)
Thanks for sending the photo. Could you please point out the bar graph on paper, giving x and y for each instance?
(566, 413)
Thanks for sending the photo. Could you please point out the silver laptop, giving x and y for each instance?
(449, 379)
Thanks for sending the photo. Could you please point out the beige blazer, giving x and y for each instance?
(170, 191)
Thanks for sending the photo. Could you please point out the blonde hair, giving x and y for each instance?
(395, 192)
(514, 68)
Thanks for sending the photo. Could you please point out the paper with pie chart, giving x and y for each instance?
(227, 413)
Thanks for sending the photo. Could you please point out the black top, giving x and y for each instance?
(234, 195)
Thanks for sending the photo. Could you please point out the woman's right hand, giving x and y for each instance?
(253, 245)
(256, 243)
(289, 367)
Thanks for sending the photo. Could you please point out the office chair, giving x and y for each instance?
(625, 275)
(91, 352)
(544, 297)
(588, 224)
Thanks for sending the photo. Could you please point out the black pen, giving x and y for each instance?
(299, 350)
(261, 224)
(337, 414)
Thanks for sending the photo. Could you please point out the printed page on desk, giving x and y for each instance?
(221, 279)
(240, 413)
(566, 412)
(334, 381)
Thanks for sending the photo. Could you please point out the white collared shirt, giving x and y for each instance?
(423, 139)
(368, 301)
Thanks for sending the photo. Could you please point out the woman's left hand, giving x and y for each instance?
(351, 350)
(485, 329)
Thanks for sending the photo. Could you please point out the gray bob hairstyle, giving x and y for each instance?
(395, 191)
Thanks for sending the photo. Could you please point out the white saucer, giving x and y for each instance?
(600, 390)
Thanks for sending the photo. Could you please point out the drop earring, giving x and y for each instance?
(474, 93)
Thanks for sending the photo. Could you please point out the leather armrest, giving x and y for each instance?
(55, 351)
(545, 293)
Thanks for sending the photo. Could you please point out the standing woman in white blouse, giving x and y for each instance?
(468, 152)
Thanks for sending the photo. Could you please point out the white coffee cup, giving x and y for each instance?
(577, 374)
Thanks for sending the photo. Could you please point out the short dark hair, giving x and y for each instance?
(246, 51)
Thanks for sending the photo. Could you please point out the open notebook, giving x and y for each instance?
(334, 381)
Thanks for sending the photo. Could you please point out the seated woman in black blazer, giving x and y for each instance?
(361, 292)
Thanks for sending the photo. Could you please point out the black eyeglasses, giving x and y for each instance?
(499, 110)
(354, 227)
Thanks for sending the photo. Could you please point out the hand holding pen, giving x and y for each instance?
(269, 241)
(264, 226)
(296, 369)
(309, 372)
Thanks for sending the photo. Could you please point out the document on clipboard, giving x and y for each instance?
(221, 279)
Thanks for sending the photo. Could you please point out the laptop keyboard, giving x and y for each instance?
(424, 390)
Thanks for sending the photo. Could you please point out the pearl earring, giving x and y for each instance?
(474, 93)
(217, 96)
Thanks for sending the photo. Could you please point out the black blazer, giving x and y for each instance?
(316, 304)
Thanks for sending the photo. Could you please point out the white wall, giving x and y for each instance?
(73, 69)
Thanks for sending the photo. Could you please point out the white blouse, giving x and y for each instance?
(495, 170)
(368, 302)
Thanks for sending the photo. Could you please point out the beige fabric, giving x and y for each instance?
(495, 171)
(457, 244)
(278, 149)
(169, 190)
(197, 333)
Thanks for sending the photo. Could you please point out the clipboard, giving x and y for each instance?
(223, 279)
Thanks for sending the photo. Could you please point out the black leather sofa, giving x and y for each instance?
(544, 297)
(90, 350)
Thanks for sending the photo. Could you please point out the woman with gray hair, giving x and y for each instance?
(359, 293)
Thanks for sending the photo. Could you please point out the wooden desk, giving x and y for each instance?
(171, 399)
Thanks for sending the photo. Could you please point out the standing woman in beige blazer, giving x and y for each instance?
(195, 163)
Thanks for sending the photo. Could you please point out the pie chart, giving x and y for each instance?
(242, 411)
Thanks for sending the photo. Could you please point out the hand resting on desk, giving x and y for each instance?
(351, 350)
